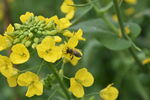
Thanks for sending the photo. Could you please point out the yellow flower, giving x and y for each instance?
(109, 93)
(32, 81)
(48, 51)
(26, 16)
(131, 1)
(146, 61)
(82, 78)
(68, 9)
(6, 67)
(129, 11)
(4, 42)
(77, 34)
(70, 53)
(63, 23)
(12, 80)
(20, 54)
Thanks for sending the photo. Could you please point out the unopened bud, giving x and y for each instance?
(27, 43)
(36, 40)
(57, 39)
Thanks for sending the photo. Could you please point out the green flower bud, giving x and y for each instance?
(16, 41)
(21, 37)
(36, 40)
(30, 35)
(17, 26)
(27, 43)
(34, 45)
(53, 32)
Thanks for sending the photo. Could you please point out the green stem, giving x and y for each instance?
(116, 5)
(60, 81)
(113, 28)
(40, 67)
(49, 98)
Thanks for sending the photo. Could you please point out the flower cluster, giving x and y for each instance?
(49, 37)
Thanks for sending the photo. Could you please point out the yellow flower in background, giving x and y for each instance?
(70, 53)
(63, 23)
(26, 16)
(20, 54)
(4, 42)
(115, 18)
(82, 78)
(32, 81)
(77, 34)
(146, 61)
(127, 31)
(131, 1)
(48, 51)
(129, 11)
(109, 93)
(68, 9)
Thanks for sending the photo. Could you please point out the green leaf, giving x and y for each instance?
(81, 11)
(112, 41)
(135, 30)
(92, 98)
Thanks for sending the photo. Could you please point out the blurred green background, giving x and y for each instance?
(107, 66)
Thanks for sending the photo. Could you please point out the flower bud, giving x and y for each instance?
(27, 43)
(36, 40)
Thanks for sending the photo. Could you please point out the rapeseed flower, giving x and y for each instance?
(26, 16)
(77, 34)
(70, 45)
(48, 50)
(82, 78)
(20, 54)
(129, 11)
(4, 42)
(32, 81)
(68, 9)
(109, 93)
(7, 69)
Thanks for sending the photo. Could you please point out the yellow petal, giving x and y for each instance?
(12, 81)
(26, 16)
(146, 61)
(79, 34)
(73, 42)
(27, 78)
(109, 93)
(63, 23)
(35, 89)
(4, 43)
(76, 88)
(84, 77)
(70, 15)
(10, 28)
(67, 33)
(57, 39)
(66, 6)
(131, 1)
(20, 54)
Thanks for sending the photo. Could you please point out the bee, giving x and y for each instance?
(73, 52)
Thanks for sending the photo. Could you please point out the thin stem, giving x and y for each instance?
(120, 20)
(60, 81)
(49, 98)
(113, 28)
(40, 67)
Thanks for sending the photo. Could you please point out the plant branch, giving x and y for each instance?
(120, 20)
(60, 81)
